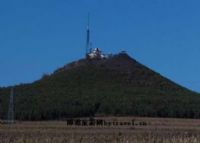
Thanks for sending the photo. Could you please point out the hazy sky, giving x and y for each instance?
(38, 36)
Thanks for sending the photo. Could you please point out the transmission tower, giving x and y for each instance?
(88, 35)
(11, 108)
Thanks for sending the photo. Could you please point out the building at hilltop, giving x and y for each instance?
(96, 53)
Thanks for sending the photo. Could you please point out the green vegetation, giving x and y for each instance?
(117, 86)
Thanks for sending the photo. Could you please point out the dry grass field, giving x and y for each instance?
(157, 130)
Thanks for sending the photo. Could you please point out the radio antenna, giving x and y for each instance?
(88, 35)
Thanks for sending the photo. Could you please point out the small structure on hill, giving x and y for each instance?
(96, 53)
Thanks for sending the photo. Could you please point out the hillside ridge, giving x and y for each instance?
(116, 86)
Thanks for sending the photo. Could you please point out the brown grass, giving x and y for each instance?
(157, 131)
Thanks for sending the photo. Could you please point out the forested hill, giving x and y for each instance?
(118, 86)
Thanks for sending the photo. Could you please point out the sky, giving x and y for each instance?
(39, 36)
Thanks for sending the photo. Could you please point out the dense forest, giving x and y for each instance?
(118, 86)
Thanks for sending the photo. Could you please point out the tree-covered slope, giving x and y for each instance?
(116, 86)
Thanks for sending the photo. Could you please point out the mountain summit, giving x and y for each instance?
(117, 85)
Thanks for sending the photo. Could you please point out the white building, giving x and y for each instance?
(96, 53)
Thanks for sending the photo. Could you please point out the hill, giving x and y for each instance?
(118, 86)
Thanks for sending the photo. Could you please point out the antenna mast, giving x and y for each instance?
(88, 36)
(11, 108)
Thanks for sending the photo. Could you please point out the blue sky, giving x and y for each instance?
(38, 36)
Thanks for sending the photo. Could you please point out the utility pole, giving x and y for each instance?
(10, 119)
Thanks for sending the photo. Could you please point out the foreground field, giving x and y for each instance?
(156, 131)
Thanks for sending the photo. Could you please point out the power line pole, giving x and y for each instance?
(11, 108)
